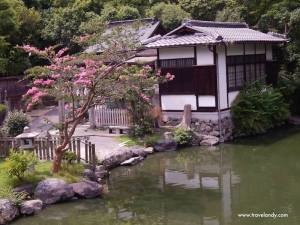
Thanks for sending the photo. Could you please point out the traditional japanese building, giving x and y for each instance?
(212, 62)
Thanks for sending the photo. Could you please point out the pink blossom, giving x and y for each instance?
(145, 97)
(30, 49)
(83, 38)
(55, 76)
(170, 77)
(82, 81)
(89, 63)
(48, 82)
(31, 91)
(38, 82)
(61, 52)
(29, 107)
(37, 96)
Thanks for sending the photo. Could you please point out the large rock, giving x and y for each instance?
(87, 189)
(25, 188)
(31, 207)
(53, 190)
(8, 211)
(132, 161)
(165, 145)
(210, 141)
(126, 153)
(90, 175)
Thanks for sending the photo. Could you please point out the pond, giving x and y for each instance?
(205, 186)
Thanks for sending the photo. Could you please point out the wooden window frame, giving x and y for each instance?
(245, 60)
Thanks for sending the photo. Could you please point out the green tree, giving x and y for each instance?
(61, 24)
(171, 15)
(232, 12)
(202, 9)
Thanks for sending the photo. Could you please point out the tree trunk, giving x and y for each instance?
(57, 161)
(187, 117)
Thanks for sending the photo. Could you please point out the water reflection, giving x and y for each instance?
(186, 177)
(195, 186)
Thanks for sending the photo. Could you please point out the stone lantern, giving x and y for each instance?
(26, 139)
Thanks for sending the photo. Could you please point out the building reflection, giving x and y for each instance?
(208, 170)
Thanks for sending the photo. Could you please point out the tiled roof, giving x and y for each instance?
(208, 32)
(142, 29)
(238, 34)
(175, 40)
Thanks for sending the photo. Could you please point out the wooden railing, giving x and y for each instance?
(44, 148)
(5, 145)
(102, 116)
(84, 150)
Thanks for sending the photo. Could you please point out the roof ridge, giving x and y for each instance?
(132, 20)
(204, 23)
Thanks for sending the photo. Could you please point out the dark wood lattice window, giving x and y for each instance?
(177, 63)
(245, 69)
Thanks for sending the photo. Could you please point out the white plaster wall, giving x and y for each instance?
(235, 49)
(221, 73)
(249, 49)
(206, 101)
(231, 96)
(177, 102)
(204, 56)
(199, 115)
(177, 52)
(269, 53)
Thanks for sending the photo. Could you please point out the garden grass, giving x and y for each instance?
(71, 173)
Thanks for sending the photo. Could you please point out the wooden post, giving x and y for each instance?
(86, 148)
(47, 149)
(92, 117)
(78, 150)
(94, 159)
(40, 149)
(90, 153)
(51, 142)
(186, 118)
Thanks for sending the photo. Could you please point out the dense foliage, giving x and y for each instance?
(14, 123)
(41, 23)
(183, 136)
(257, 109)
(18, 162)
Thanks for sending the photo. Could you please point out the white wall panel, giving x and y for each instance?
(177, 52)
(235, 49)
(231, 96)
(206, 101)
(177, 102)
(221, 72)
(204, 56)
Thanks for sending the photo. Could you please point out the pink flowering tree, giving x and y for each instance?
(80, 83)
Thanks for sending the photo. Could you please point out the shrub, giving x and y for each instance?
(19, 162)
(69, 157)
(15, 123)
(142, 128)
(2, 112)
(183, 137)
(149, 141)
(257, 109)
(16, 197)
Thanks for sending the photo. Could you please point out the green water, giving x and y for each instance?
(205, 186)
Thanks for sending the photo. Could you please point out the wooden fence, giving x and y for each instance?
(101, 116)
(5, 145)
(84, 150)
